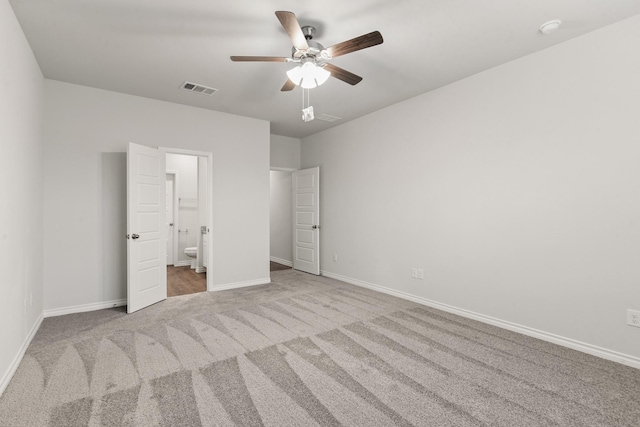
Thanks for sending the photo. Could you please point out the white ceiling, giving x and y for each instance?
(149, 47)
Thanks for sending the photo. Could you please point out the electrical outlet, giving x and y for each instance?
(420, 274)
(414, 273)
(335, 257)
(633, 318)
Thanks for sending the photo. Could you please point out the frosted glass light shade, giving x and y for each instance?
(295, 75)
(322, 75)
(308, 75)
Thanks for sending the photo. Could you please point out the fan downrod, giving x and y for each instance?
(308, 31)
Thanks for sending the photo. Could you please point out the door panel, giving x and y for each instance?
(306, 227)
(305, 236)
(305, 254)
(146, 256)
(305, 218)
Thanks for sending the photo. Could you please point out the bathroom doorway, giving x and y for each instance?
(187, 221)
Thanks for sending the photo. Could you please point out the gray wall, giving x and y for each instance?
(21, 98)
(285, 152)
(517, 191)
(87, 131)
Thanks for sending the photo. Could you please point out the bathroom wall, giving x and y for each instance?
(187, 222)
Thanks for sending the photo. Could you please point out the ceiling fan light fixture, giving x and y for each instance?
(308, 83)
(308, 75)
(314, 69)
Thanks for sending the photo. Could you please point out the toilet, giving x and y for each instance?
(192, 253)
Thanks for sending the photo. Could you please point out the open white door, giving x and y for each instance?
(146, 259)
(306, 223)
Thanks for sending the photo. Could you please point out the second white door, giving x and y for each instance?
(306, 222)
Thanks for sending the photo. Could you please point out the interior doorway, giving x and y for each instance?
(295, 219)
(147, 226)
(186, 223)
(280, 219)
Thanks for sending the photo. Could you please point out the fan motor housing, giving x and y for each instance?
(314, 47)
(314, 50)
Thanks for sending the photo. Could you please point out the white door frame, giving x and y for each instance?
(176, 219)
(166, 150)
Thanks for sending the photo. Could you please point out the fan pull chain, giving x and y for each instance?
(307, 112)
(308, 98)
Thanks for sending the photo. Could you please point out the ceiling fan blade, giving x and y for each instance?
(342, 74)
(289, 85)
(362, 42)
(259, 58)
(292, 27)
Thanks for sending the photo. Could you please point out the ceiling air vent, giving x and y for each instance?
(328, 118)
(193, 87)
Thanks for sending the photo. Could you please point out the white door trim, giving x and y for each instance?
(176, 218)
(185, 152)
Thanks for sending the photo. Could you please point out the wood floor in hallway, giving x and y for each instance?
(274, 266)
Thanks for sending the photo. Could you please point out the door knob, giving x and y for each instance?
(315, 226)
(135, 236)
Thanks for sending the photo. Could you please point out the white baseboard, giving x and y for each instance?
(84, 307)
(593, 350)
(201, 269)
(237, 285)
(6, 377)
(282, 261)
(182, 263)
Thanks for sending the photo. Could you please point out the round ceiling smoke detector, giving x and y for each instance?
(550, 26)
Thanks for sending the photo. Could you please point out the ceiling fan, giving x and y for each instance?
(314, 68)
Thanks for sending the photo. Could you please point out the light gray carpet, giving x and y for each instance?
(306, 351)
